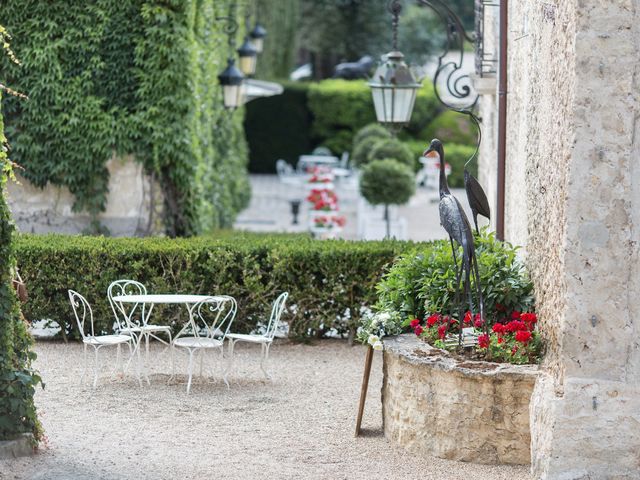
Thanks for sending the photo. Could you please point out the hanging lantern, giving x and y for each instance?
(394, 88)
(257, 37)
(231, 80)
(248, 55)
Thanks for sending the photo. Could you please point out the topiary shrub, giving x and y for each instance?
(394, 149)
(451, 127)
(360, 154)
(387, 182)
(374, 130)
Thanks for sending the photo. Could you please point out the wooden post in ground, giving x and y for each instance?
(365, 385)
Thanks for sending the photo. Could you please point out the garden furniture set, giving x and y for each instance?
(208, 325)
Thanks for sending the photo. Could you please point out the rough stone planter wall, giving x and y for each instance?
(469, 411)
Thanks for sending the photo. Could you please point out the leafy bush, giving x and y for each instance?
(360, 155)
(394, 149)
(328, 281)
(451, 127)
(134, 77)
(374, 130)
(422, 281)
(455, 155)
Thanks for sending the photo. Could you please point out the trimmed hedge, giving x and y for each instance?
(328, 281)
(451, 127)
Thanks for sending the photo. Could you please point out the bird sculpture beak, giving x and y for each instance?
(430, 153)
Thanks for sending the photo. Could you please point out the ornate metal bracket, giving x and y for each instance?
(448, 71)
(230, 25)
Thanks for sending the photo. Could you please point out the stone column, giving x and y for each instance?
(582, 145)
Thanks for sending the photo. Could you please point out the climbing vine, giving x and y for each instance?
(118, 77)
(17, 378)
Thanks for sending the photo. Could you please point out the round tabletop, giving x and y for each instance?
(167, 298)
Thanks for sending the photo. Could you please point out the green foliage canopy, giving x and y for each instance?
(394, 149)
(125, 77)
(387, 182)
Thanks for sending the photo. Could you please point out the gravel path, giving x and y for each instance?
(299, 426)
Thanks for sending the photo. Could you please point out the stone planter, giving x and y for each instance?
(469, 411)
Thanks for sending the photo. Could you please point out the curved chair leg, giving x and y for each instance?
(230, 361)
(201, 361)
(190, 370)
(84, 367)
(115, 368)
(264, 358)
(95, 368)
(224, 373)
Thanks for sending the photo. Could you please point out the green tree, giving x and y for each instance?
(387, 182)
(392, 148)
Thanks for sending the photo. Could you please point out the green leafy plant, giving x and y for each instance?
(17, 377)
(374, 130)
(451, 127)
(456, 156)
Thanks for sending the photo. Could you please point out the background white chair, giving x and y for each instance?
(265, 339)
(209, 323)
(134, 317)
(82, 311)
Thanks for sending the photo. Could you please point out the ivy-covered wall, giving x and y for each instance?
(135, 77)
(17, 379)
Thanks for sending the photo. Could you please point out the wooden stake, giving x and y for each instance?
(365, 385)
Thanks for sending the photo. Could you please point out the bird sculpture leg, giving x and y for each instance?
(476, 275)
(456, 299)
(475, 220)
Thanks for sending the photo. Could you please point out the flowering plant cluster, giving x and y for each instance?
(326, 221)
(516, 341)
(323, 199)
(375, 326)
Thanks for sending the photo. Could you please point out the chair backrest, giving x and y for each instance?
(276, 312)
(212, 317)
(82, 311)
(126, 315)
(284, 168)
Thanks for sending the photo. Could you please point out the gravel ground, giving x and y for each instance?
(298, 426)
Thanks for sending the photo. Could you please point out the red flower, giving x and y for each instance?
(418, 330)
(467, 318)
(483, 341)
(523, 336)
(499, 328)
(516, 326)
(500, 340)
(529, 317)
(442, 331)
(414, 323)
(515, 315)
(433, 319)
(500, 307)
(478, 322)
(514, 350)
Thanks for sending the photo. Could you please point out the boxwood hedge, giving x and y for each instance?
(328, 281)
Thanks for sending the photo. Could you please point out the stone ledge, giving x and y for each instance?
(18, 447)
(473, 411)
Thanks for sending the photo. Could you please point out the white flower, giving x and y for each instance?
(373, 339)
(384, 316)
(377, 346)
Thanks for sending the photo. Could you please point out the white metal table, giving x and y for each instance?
(190, 301)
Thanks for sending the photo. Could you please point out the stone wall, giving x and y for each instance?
(467, 411)
(573, 198)
(133, 204)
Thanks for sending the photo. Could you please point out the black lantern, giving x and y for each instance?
(394, 88)
(248, 55)
(257, 37)
(231, 81)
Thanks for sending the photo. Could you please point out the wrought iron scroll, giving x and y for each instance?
(448, 71)
(230, 25)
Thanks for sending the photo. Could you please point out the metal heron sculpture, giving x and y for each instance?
(475, 194)
(455, 222)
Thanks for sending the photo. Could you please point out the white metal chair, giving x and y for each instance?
(265, 339)
(127, 318)
(209, 323)
(82, 311)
